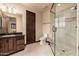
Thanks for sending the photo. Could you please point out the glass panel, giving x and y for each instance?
(52, 36)
(66, 23)
(56, 22)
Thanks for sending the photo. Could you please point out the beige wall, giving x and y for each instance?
(19, 23)
(78, 27)
(46, 22)
(39, 31)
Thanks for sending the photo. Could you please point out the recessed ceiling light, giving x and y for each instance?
(59, 4)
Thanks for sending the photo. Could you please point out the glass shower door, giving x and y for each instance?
(53, 30)
(66, 24)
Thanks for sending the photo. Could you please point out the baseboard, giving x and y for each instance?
(33, 42)
(37, 41)
(13, 52)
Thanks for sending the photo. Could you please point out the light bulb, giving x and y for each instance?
(14, 10)
(4, 8)
(10, 10)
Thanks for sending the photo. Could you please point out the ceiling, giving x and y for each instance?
(64, 6)
(42, 6)
(36, 6)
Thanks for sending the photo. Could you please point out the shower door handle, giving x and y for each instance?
(54, 29)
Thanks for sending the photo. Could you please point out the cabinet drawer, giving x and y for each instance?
(20, 41)
(0, 45)
(20, 47)
(0, 51)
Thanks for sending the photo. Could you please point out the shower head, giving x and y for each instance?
(75, 7)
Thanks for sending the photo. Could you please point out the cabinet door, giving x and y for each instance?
(5, 46)
(15, 44)
(0, 47)
(20, 43)
(11, 45)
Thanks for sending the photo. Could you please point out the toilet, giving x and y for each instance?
(43, 39)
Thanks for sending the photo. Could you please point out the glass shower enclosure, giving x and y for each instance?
(64, 29)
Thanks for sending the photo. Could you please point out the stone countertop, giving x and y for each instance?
(7, 36)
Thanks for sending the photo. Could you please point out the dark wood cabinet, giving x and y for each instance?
(5, 46)
(9, 45)
(20, 43)
(1, 47)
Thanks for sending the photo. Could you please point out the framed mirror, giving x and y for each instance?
(0, 22)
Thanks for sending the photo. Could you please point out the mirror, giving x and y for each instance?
(12, 24)
(7, 24)
(0, 22)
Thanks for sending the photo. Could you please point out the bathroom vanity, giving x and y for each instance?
(10, 44)
(11, 38)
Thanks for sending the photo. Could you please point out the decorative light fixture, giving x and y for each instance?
(14, 10)
(6, 8)
(10, 10)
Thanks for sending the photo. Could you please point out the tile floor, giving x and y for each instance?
(35, 49)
